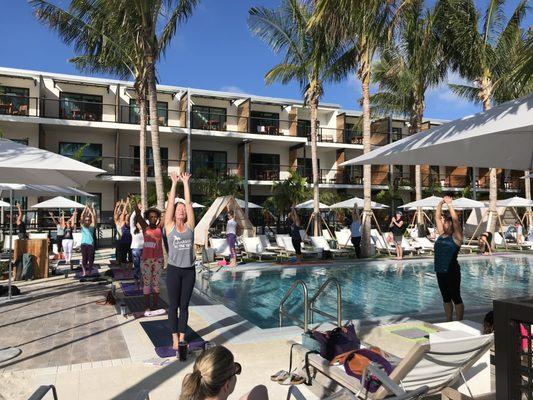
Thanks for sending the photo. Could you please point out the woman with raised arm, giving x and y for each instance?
(21, 224)
(88, 224)
(60, 229)
(137, 244)
(179, 225)
(294, 232)
(122, 224)
(231, 237)
(68, 237)
(152, 254)
(355, 229)
(447, 267)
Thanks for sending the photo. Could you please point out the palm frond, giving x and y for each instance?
(181, 13)
(470, 93)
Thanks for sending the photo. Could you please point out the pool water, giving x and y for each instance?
(369, 290)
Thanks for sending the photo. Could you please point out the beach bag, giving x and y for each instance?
(356, 364)
(28, 265)
(337, 341)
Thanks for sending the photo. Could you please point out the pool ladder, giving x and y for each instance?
(309, 304)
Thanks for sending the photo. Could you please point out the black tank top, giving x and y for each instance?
(68, 233)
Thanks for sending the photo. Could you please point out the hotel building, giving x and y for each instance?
(97, 121)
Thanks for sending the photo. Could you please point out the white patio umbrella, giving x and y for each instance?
(463, 203)
(500, 137)
(4, 204)
(309, 204)
(194, 205)
(242, 204)
(515, 202)
(42, 190)
(429, 203)
(30, 165)
(59, 202)
(351, 203)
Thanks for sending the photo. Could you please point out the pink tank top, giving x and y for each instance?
(153, 243)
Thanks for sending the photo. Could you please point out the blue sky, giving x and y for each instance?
(214, 50)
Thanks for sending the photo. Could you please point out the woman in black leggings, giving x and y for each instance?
(179, 227)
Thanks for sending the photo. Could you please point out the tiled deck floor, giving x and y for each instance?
(60, 325)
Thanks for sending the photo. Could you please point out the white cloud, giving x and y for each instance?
(231, 89)
(444, 93)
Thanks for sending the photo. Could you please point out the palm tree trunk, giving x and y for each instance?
(314, 157)
(141, 96)
(416, 126)
(154, 129)
(367, 178)
(493, 176)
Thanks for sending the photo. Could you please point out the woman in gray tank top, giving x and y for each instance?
(179, 227)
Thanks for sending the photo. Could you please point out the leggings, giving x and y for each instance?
(232, 238)
(59, 242)
(450, 285)
(67, 248)
(356, 241)
(180, 284)
(87, 256)
(136, 255)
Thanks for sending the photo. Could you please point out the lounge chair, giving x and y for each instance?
(436, 366)
(344, 238)
(499, 241)
(5, 248)
(267, 245)
(426, 244)
(221, 247)
(254, 248)
(303, 393)
(279, 240)
(290, 251)
(321, 243)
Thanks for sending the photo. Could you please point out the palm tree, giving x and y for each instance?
(143, 20)
(310, 57)
(487, 54)
(89, 25)
(408, 67)
(367, 25)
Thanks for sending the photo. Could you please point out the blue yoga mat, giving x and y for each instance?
(159, 333)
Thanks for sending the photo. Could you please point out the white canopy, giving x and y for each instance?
(42, 190)
(463, 203)
(29, 165)
(429, 203)
(59, 202)
(242, 204)
(501, 137)
(194, 205)
(351, 203)
(515, 202)
(4, 204)
(309, 204)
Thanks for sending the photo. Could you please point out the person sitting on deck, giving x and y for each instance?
(214, 377)
(484, 243)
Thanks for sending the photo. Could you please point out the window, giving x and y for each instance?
(352, 134)
(89, 153)
(162, 112)
(264, 122)
(214, 161)
(264, 166)
(209, 118)
(86, 107)
(149, 160)
(304, 128)
(305, 168)
(397, 134)
(14, 101)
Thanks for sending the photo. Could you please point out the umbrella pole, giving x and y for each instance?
(10, 243)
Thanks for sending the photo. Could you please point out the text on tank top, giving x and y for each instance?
(181, 248)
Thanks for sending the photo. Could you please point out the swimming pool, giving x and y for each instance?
(372, 289)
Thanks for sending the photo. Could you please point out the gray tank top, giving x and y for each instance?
(181, 248)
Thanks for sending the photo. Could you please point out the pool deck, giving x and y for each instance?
(89, 351)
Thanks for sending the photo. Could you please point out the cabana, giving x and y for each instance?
(219, 206)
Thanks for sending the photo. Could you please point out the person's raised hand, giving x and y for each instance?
(50, 213)
(185, 176)
(447, 199)
(174, 177)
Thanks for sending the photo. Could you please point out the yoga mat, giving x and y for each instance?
(130, 289)
(168, 351)
(122, 275)
(142, 314)
(94, 274)
(159, 334)
(409, 331)
(136, 304)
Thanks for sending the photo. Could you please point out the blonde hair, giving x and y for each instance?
(212, 369)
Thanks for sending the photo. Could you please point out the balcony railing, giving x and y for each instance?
(130, 166)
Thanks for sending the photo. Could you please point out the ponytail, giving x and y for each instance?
(212, 369)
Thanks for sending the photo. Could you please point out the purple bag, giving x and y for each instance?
(371, 383)
(337, 341)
